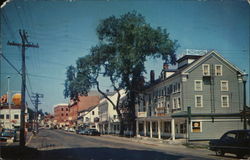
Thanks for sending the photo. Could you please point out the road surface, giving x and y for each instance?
(59, 144)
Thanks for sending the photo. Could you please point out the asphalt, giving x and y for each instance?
(58, 144)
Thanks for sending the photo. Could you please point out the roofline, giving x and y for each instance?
(185, 71)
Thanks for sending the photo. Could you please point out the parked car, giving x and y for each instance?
(84, 132)
(71, 130)
(8, 135)
(235, 142)
(93, 132)
(66, 128)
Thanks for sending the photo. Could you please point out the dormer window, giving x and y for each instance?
(218, 70)
(206, 69)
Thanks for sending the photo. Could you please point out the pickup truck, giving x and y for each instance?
(234, 142)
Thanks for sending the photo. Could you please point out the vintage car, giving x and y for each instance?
(93, 132)
(235, 142)
(8, 135)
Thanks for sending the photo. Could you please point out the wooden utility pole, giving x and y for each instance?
(25, 44)
(36, 100)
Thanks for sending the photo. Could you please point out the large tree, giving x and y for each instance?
(124, 45)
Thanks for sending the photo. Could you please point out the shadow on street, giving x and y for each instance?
(105, 154)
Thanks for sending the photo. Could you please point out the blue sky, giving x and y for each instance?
(65, 30)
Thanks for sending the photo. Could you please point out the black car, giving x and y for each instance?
(235, 142)
(93, 132)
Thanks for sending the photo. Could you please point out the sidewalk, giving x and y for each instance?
(14, 151)
(178, 143)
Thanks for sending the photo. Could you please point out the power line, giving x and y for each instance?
(10, 64)
(25, 44)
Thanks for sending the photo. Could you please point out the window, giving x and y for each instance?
(218, 70)
(178, 87)
(224, 85)
(114, 116)
(62, 109)
(16, 116)
(93, 112)
(7, 116)
(1, 116)
(198, 85)
(67, 109)
(196, 127)
(179, 103)
(198, 101)
(206, 69)
(66, 114)
(224, 101)
(174, 103)
(62, 114)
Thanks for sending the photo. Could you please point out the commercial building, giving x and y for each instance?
(199, 100)
(61, 115)
(10, 117)
(84, 103)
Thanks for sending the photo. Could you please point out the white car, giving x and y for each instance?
(71, 130)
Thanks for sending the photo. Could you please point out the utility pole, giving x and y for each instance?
(36, 100)
(25, 44)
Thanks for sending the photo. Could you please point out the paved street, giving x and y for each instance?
(58, 144)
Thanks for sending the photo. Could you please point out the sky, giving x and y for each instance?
(66, 29)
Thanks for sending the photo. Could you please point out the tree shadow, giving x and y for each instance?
(105, 154)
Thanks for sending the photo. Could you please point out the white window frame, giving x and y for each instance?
(222, 101)
(196, 101)
(216, 71)
(192, 125)
(195, 86)
(208, 74)
(178, 102)
(221, 88)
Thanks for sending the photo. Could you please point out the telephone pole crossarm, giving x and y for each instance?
(24, 44)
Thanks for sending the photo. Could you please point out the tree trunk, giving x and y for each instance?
(132, 112)
(121, 127)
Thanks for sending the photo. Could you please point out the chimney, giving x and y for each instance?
(152, 76)
(165, 66)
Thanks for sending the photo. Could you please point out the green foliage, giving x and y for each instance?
(124, 45)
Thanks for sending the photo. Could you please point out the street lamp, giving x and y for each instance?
(244, 79)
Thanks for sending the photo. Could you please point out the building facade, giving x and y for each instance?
(10, 117)
(90, 118)
(108, 118)
(199, 100)
(84, 103)
(61, 115)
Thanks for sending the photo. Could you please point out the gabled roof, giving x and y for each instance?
(206, 57)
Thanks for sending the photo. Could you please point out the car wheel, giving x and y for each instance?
(220, 152)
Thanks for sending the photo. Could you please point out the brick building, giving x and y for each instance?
(84, 103)
(61, 113)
